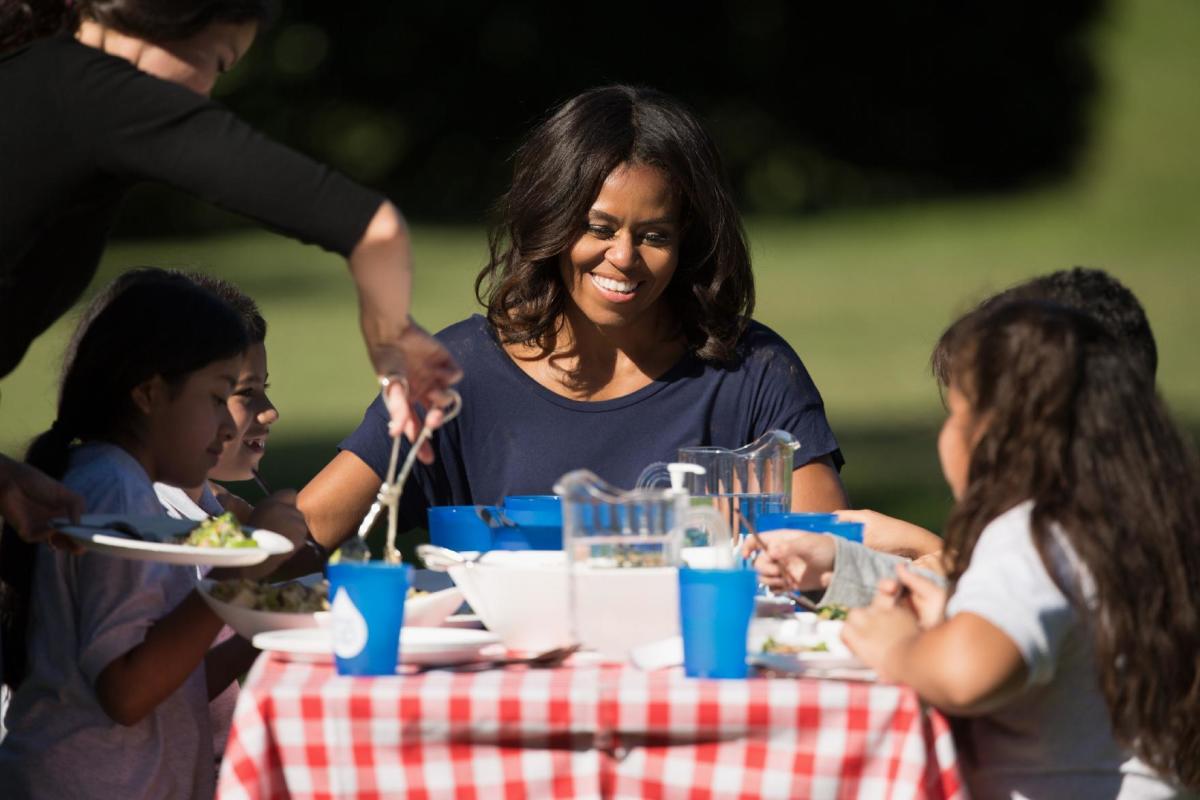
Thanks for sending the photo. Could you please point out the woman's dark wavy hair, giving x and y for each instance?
(23, 21)
(557, 174)
(1073, 426)
(148, 322)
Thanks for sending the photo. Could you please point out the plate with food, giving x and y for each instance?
(219, 541)
(806, 643)
(252, 607)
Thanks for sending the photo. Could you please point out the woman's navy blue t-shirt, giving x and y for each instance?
(515, 436)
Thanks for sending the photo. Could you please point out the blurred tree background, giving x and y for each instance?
(815, 106)
(897, 161)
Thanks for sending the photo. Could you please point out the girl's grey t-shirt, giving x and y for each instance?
(86, 611)
(515, 436)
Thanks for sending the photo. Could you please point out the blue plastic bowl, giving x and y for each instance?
(459, 528)
(539, 517)
(797, 521)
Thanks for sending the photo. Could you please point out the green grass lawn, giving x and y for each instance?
(861, 296)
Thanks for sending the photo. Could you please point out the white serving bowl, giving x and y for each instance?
(249, 623)
(522, 596)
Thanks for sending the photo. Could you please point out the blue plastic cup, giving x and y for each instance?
(539, 519)
(715, 607)
(796, 521)
(459, 528)
(367, 605)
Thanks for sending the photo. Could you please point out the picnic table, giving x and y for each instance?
(589, 731)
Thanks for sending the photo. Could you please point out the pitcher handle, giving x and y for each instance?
(653, 476)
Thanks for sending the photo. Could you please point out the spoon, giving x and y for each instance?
(792, 590)
(441, 559)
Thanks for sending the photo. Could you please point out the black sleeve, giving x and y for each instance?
(139, 127)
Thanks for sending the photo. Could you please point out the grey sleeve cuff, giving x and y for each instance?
(856, 571)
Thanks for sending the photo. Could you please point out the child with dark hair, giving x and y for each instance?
(253, 414)
(1071, 635)
(110, 658)
(850, 571)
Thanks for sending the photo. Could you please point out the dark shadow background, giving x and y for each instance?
(815, 105)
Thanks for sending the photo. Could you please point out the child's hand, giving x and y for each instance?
(233, 504)
(910, 590)
(277, 512)
(793, 559)
(880, 635)
(890, 535)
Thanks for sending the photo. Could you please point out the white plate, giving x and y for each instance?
(463, 621)
(417, 645)
(806, 662)
(162, 528)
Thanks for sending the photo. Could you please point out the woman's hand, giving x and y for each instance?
(890, 535)
(420, 371)
(401, 352)
(29, 499)
(793, 559)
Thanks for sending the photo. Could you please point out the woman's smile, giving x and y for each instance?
(615, 290)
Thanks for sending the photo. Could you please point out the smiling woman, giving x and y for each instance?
(619, 296)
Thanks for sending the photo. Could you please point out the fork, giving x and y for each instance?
(549, 658)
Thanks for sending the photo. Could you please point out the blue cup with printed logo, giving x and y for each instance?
(715, 607)
(538, 517)
(366, 603)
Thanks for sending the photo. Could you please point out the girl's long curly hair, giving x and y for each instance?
(557, 174)
(1070, 424)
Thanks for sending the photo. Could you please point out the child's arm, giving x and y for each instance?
(965, 666)
(133, 684)
(225, 662)
(892, 535)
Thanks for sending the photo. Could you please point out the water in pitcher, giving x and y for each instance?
(740, 509)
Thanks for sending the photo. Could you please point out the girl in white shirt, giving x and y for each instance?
(1071, 639)
(110, 658)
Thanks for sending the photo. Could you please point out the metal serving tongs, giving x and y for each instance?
(389, 492)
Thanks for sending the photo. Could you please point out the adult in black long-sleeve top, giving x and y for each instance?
(98, 107)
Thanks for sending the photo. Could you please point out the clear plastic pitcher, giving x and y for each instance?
(606, 527)
(622, 553)
(740, 484)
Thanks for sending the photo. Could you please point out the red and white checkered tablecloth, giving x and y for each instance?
(580, 732)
